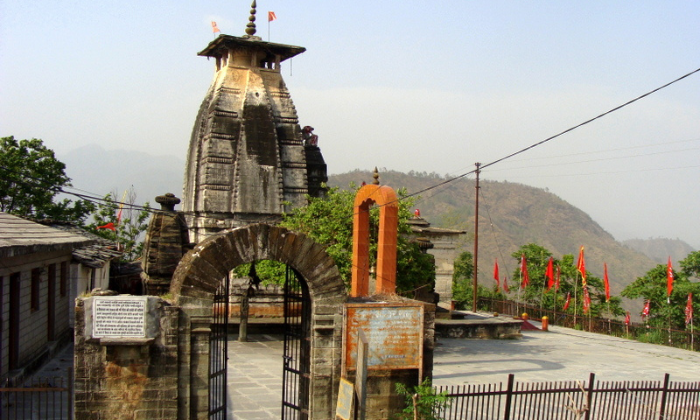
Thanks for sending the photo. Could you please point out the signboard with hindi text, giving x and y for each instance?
(394, 333)
(119, 316)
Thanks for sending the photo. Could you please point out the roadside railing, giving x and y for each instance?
(684, 339)
(638, 400)
(46, 398)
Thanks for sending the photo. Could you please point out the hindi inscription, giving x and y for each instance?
(119, 317)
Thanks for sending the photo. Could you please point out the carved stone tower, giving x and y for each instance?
(247, 161)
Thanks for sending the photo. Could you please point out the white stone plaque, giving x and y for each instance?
(119, 317)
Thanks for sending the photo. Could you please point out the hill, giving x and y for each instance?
(659, 249)
(512, 215)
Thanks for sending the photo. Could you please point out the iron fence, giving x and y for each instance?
(641, 400)
(684, 339)
(46, 398)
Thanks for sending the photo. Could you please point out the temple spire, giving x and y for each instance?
(250, 27)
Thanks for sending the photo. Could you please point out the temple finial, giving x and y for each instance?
(375, 176)
(250, 27)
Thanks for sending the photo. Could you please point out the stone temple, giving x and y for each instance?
(248, 160)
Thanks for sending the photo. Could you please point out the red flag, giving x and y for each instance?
(586, 300)
(581, 266)
(568, 301)
(505, 284)
(646, 310)
(214, 27)
(549, 273)
(109, 226)
(271, 16)
(689, 309)
(627, 318)
(523, 272)
(558, 278)
(669, 278)
(607, 282)
(495, 275)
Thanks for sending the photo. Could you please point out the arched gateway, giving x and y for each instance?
(199, 275)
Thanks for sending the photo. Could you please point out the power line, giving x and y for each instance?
(568, 130)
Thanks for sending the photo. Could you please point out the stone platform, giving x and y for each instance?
(466, 324)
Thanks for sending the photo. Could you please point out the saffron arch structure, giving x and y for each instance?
(388, 201)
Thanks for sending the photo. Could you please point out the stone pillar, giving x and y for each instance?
(166, 242)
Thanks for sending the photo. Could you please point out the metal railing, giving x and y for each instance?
(671, 337)
(46, 398)
(638, 400)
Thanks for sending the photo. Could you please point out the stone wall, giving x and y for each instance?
(134, 379)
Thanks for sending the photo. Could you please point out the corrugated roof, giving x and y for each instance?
(20, 237)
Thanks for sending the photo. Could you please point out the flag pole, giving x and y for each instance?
(575, 300)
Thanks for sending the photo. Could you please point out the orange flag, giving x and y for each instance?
(214, 27)
(689, 309)
(495, 275)
(607, 282)
(647, 310)
(549, 273)
(271, 16)
(669, 278)
(505, 284)
(568, 301)
(581, 266)
(523, 272)
(586, 300)
(109, 226)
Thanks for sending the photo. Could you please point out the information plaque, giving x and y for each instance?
(123, 316)
(394, 333)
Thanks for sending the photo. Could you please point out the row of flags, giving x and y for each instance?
(553, 281)
(271, 16)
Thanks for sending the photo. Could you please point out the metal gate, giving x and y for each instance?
(296, 358)
(218, 352)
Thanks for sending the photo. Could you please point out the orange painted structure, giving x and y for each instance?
(386, 198)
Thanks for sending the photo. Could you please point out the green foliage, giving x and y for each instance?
(130, 229)
(665, 311)
(329, 220)
(570, 282)
(30, 179)
(422, 402)
(268, 271)
(691, 265)
(463, 283)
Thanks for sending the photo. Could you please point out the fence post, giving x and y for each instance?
(589, 396)
(664, 390)
(509, 396)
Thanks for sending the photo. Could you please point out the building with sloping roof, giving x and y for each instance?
(40, 268)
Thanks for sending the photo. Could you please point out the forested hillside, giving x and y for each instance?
(512, 215)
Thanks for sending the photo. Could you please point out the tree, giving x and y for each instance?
(30, 179)
(463, 283)
(128, 227)
(653, 287)
(328, 221)
(691, 265)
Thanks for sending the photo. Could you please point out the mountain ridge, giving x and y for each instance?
(512, 215)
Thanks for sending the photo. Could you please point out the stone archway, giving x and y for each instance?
(197, 277)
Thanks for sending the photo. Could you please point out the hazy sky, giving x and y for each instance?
(406, 85)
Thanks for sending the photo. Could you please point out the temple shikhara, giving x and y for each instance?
(249, 160)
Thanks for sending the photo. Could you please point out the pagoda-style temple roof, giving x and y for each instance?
(223, 43)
